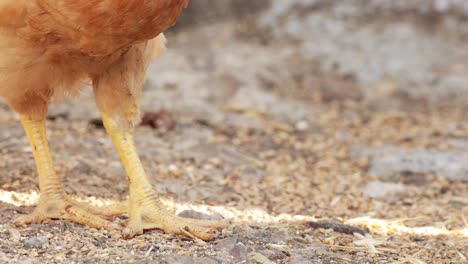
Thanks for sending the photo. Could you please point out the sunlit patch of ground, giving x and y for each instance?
(378, 226)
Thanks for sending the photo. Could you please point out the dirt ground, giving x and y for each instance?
(308, 167)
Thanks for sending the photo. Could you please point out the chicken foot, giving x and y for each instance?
(144, 207)
(54, 203)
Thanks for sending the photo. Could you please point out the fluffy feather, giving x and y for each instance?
(49, 48)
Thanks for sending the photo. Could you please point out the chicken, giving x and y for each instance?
(49, 49)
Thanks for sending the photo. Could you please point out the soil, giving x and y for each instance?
(248, 131)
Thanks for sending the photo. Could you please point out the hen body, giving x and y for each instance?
(49, 49)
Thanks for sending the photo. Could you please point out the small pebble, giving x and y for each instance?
(302, 125)
(259, 258)
(197, 215)
(239, 252)
(36, 242)
(384, 190)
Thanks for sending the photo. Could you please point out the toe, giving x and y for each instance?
(216, 224)
(28, 219)
(130, 232)
(78, 215)
(183, 226)
(115, 209)
(68, 209)
(198, 232)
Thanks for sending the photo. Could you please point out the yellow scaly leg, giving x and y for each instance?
(54, 203)
(145, 209)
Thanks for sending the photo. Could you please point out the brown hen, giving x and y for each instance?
(48, 49)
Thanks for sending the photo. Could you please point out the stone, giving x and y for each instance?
(384, 190)
(390, 161)
(36, 242)
(197, 215)
(239, 252)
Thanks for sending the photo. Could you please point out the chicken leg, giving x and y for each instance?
(54, 203)
(145, 209)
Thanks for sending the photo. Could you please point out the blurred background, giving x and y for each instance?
(277, 113)
(387, 54)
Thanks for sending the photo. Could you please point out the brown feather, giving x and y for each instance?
(48, 48)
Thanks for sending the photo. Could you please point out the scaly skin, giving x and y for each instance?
(54, 203)
(144, 207)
